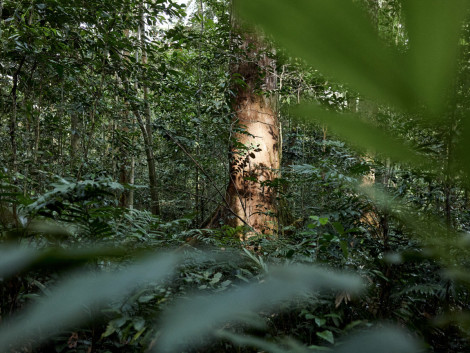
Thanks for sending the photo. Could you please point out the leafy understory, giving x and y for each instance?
(119, 135)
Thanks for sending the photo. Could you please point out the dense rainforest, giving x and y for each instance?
(246, 176)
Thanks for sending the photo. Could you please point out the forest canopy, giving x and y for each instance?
(255, 176)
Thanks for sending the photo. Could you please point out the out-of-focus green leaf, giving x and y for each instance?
(386, 340)
(73, 301)
(443, 243)
(197, 317)
(250, 341)
(462, 319)
(433, 29)
(463, 155)
(50, 229)
(14, 259)
(360, 133)
(337, 38)
(284, 345)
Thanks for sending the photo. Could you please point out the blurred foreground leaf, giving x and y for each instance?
(361, 133)
(239, 340)
(244, 340)
(16, 260)
(73, 301)
(386, 340)
(433, 29)
(337, 38)
(192, 319)
(462, 153)
(444, 244)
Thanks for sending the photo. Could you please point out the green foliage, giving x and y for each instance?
(82, 268)
(351, 52)
(422, 81)
(211, 311)
(65, 305)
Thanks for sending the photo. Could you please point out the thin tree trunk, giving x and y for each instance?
(13, 123)
(37, 127)
(154, 207)
(131, 182)
(74, 140)
(147, 132)
(124, 180)
(148, 140)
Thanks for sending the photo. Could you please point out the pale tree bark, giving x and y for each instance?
(147, 131)
(255, 157)
(13, 127)
(124, 163)
(13, 116)
(145, 123)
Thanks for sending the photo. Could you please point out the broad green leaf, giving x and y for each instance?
(360, 133)
(327, 336)
(197, 317)
(323, 221)
(320, 322)
(344, 248)
(338, 227)
(73, 301)
(336, 37)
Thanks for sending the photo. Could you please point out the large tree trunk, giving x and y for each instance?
(255, 156)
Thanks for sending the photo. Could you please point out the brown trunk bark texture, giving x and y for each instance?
(255, 155)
